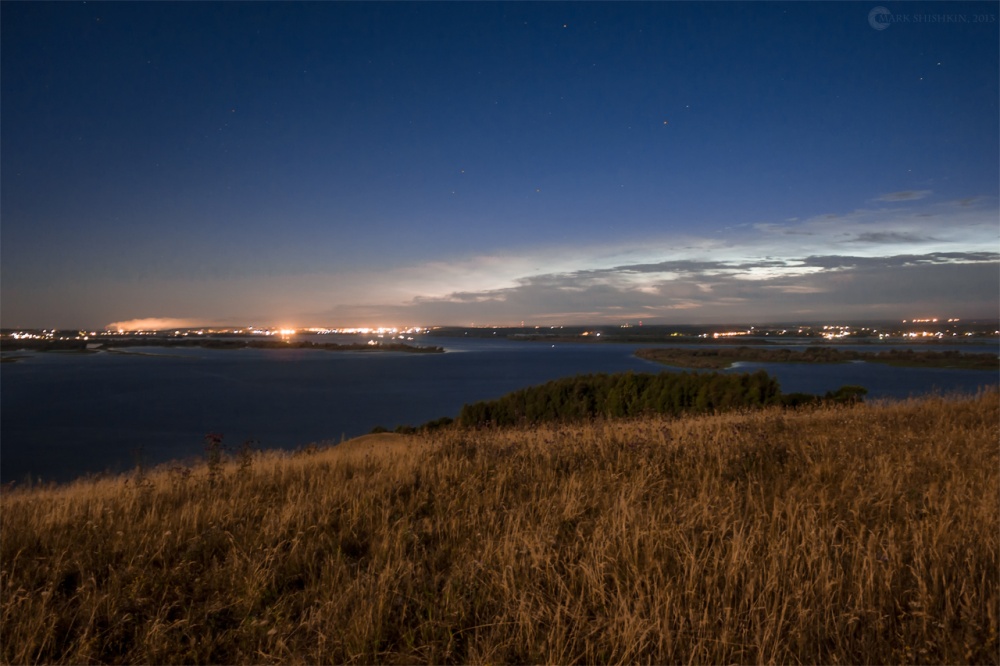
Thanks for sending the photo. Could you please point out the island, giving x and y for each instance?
(718, 358)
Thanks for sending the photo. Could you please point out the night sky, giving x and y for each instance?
(438, 163)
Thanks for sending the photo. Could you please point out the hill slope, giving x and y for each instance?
(864, 533)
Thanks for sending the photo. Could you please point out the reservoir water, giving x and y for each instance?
(66, 415)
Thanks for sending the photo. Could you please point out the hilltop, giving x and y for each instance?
(830, 533)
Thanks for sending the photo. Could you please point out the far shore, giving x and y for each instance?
(716, 359)
(115, 345)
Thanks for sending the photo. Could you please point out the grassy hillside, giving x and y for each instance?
(857, 534)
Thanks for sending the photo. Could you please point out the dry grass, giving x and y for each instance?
(839, 535)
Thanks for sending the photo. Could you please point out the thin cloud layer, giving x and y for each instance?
(905, 195)
(836, 286)
(936, 257)
(872, 262)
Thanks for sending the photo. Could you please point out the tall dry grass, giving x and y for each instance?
(838, 535)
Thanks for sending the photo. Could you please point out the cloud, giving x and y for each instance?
(841, 262)
(706, 291)
(887, 237)
(904, 195)
(919, 227)
(899, 258)
(867, 262)
(152, 324)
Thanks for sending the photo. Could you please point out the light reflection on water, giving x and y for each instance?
(68, 414)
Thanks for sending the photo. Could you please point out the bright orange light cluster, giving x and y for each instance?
(730, 334)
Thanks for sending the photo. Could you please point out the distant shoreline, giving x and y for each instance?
(716, 359)
(116, 345)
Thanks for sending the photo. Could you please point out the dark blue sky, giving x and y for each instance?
(377, 163)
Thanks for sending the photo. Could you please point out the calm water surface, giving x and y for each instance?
(63, 415)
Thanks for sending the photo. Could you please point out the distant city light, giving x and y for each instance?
(935, 328)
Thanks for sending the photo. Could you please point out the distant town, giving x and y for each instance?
(918, 330)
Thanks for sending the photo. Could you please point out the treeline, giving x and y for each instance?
(11, 345)
(723, 357)
(624, 395)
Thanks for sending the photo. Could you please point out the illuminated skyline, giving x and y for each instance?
(437, 163)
